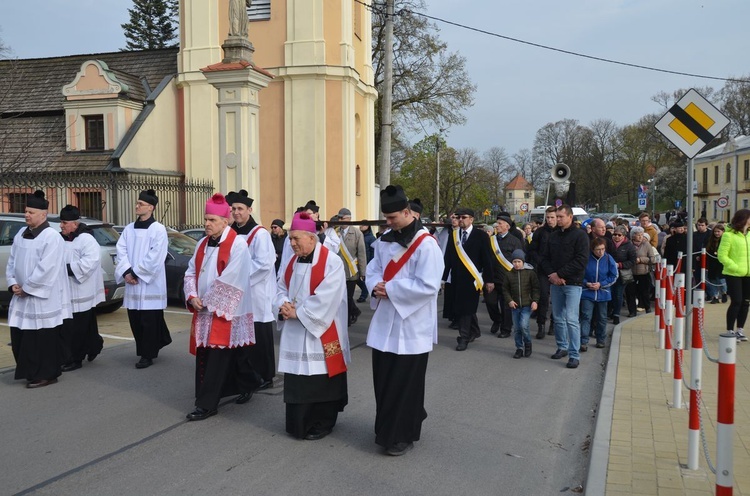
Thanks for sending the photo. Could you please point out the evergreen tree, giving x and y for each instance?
(152, 25)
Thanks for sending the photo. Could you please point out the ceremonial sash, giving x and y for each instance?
(348, 259)
(221, 328)
(478, 282)
(499, 254)
(394, 266)
(252, 234)
(334, 356)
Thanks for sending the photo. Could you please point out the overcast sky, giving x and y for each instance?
(520, 88)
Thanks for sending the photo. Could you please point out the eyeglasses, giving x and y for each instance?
(616, 234)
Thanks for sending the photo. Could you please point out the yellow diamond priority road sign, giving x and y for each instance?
(691, 123)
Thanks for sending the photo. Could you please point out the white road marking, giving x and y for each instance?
(185, 312)
(110, 336)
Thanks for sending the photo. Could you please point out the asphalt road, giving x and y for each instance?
(496, 426)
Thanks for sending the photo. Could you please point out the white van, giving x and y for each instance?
(537, 214)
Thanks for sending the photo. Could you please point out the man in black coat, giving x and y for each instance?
(534, 254)
(506, 243)
(468, 263)
(676, 244)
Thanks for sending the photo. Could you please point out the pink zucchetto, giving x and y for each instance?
(217, 205)
(303, 222)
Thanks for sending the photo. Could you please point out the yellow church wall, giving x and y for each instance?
(332, 31)
(271, 135)
(334, 149)
(155, 146)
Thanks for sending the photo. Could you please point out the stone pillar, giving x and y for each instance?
(238, 84)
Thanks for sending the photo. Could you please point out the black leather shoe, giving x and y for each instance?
(200, 414)
(495, 327)
(362, 299)
(518, 354)
(399, 449)
(631, 315)
(559, 354)
(572, 364)
(71, 366)
(616, 320)
(265, 385)
(504, 334)
(527, 350)
(453, 325)
(243, 398)
(584, 347)
(40, 383)
(314, 434)
(144, 363)
(462, 345)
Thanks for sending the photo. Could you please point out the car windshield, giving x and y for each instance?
(181, 244)
(105, 235)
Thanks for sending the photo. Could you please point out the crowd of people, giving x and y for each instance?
(244, 281)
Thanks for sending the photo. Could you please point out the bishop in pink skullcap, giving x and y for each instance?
(217, 205)
(303, 222)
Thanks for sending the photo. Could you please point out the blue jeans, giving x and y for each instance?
(521, 326)
(565, 305)
(715, 286)
(618, 288)
(587, 314)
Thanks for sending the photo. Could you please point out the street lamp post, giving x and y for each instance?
(436, 213)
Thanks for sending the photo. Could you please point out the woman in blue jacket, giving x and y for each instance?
(601, 273)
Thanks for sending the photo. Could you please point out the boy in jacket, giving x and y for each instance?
(521, 291)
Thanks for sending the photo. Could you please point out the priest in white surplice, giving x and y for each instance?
(404, 280)
(314, 349)
(141, 252)
(260, 284)
(37, 278)
(222, 328)
(83, 264)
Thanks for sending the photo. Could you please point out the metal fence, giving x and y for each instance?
(110, 196)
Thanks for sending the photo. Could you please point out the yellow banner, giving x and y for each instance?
(478, 282)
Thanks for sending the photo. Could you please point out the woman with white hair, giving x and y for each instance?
(645, 257)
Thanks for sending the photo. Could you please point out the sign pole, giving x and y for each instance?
(689, 261)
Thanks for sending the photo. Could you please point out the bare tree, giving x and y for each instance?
(431, 85)
(735, 103)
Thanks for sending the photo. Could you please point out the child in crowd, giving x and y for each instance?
(521, 291)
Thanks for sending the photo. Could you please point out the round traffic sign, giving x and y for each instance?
(524, 207)
(722, 202)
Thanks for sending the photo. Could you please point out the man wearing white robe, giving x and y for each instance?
(404, 279)
(222, 328)
(141, 253)
(327, 235)
(314, 347)
(80, 334)
(37, 278)
(260, 285)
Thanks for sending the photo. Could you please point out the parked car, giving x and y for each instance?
(632, 219)
(196, 234)
(179, 252)
(107, 238)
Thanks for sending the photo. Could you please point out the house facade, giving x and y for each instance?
(106, 124)
(721, 180)
(519, 196)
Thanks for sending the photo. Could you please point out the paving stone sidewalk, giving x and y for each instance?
(641, 441)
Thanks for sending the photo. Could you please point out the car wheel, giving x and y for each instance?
(110, 308)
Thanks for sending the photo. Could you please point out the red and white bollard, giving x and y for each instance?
(663, 304)
(657, 297)
(725, 416)
(679, 336)
(668, 319)
(696, 371)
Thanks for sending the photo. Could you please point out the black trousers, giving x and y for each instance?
(544, 302)
(352, 307)
(468, 327)
(222, 372)
(399, 382)
(37, 353)
(738, 289)
(150, 332)
(80, 337)
(643, 290)
(498, 310)
(448, 297)
(262, 353)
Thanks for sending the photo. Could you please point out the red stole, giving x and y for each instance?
(220, 327)
(393, 267)
(331, 346)
(253, 233)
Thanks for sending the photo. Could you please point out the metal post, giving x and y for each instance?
(663, 303)
(696, 372)
(385, 119)
(657, 297)
(725, 415)
(689, 258)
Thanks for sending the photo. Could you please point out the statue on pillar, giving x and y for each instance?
(238, 17)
